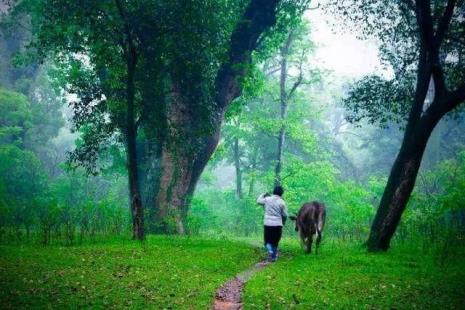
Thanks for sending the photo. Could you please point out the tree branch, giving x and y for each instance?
(455, 98)
(443, 25)
(438, 79)
(259, 16)
(425, 23)
(273, 71)
(299, 80)
(428, 41)
(437, 70)
(297, 83)
(127, 27)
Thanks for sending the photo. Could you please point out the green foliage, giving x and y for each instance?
(215, 213)
(450, 177)
(437, 207)
(38, 198)
(380, 101)
(30, 122)
(349, 204)
(308, 174)
(15, 117)
(289, 17)
(174, 42)
(22, 180)
(69, 209)
(387, 97)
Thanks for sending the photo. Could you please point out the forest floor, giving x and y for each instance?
(185, 273)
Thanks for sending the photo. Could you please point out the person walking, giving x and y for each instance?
(274, 219)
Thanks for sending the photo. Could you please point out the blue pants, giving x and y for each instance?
(272, 250)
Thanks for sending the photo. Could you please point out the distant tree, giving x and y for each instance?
(258, 123)
(23, 183)
(15, 117)
(29, 77)
(292, 66)
(14, 35)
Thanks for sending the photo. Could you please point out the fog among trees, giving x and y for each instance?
(141, 119)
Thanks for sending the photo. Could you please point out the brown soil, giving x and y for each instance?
(229, 296)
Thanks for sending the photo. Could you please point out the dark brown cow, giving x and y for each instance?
(310, 221)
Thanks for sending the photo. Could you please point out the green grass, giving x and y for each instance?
(184, 273)
(164, 272)
(344, 276)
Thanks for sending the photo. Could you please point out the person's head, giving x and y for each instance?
(278, 190)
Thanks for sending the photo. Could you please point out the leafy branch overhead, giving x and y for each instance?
(401, 27)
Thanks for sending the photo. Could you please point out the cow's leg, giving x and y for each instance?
(309, 244)
(303, 241)
(318, 240)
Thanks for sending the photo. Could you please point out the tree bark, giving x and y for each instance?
(134, 190)
(400, 185)
(283, 99)
(180, 172)
(131, 132)
(253, 166)
(237, 165)
(173, 190)
(183, 157)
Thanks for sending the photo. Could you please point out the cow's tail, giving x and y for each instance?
(320, 221)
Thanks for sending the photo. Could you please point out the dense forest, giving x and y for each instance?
(136, 136)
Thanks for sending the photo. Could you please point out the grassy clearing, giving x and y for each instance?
(183, 273)
(164, 272)
(344, 276)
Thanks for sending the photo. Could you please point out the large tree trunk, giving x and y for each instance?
(131, 135)
(131, 130)
(400, 185)
(180, 171)
(185, 154)
(173, 190)
(404, 172)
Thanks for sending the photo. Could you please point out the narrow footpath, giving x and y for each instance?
(229, 296)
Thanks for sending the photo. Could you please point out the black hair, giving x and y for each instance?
(278, 190)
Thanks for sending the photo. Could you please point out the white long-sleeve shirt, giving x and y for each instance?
(275, 209)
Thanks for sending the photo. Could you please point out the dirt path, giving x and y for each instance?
(229, 296)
